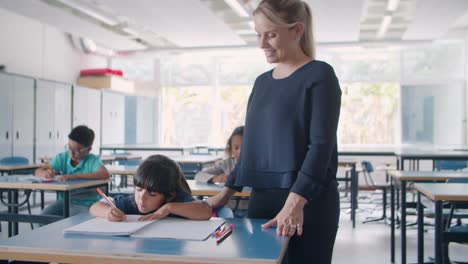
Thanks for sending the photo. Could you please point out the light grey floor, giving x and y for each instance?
(367, 243)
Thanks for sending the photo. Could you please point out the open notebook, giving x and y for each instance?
(169, 227)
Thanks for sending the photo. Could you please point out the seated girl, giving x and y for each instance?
(160, 190)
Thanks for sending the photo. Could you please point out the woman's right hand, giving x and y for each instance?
(219, 178)
(115, 215)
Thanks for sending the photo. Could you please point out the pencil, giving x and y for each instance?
(109, 201)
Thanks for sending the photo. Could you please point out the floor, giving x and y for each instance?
(367, 243)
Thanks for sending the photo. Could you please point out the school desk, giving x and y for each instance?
(351, 163)
(437, 192)
(14, 183)
(400, 179)
(146, 147)
(248, 243)
(413, 156)
(10, 169)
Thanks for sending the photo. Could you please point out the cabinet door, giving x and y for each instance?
(23, 117)
(87, 111)
(94, 117)
(45, 127)
(145, 119)
(62, 115)
(113, 118)
(6, 115)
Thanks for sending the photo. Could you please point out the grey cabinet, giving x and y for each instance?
(16, 116)
(53, 117)
(87, 111)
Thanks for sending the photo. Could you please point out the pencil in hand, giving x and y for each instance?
(103, 195)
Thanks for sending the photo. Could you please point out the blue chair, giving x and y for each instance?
(16, 161)
(450, 165)
(224, 212)
(367, 170)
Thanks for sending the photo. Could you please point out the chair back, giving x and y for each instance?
(13, 161)
(457, 180)
(450, 164)
(367, 169)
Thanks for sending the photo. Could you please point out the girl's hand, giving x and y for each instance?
(115, 215)
(290, 219)
(162, 212)
(220, 178)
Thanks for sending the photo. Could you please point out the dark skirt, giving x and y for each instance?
(321, 217)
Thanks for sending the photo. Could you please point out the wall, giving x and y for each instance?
(31, 48)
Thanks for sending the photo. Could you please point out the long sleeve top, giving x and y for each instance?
(290, 132)
(222, 166)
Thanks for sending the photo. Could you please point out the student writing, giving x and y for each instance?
(160, 190)
(75, 163)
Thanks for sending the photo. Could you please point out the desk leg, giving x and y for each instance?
(420, 231)
(354, 193)
(403, 222)
(15, 211)
(66, 204)
(10, 210)
(392, 221)
(438, 232)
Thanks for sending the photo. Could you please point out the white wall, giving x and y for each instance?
(31, 48)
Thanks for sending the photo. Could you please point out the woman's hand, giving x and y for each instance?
(162, 212)
(291, 217)
(219, 178)
(115, 215)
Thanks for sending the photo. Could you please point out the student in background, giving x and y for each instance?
(289, 150)
(220, 170)
(75, 163)
(160, 190)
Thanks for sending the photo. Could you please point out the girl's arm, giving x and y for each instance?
(103, 210)
(196, 210)
(221, 198)
(208, 173)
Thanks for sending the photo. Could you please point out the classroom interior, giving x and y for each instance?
(188, 69)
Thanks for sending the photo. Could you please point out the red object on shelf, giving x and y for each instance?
(105, 71)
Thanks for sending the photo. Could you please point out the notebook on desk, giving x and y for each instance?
(168, 228)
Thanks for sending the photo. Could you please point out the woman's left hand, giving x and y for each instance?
(291, 217)
(160, 213)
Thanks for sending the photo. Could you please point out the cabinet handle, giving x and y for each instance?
(50, 134)
(17, 135)
(58, 134)
(7, 135)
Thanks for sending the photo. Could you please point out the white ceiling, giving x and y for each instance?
(155, 24)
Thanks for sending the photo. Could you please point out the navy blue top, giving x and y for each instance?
(126, 203)
(290, 132)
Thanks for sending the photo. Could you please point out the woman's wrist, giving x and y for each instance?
(296, 200)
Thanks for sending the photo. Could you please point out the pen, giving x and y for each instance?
(225, 234)
(217, 231)
(105, 197)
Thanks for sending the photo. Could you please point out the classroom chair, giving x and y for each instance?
(441, 165)
(459, 232)
(223, 212)
(16, 161)
(367, 170)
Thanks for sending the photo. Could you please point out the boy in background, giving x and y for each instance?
(75, 163)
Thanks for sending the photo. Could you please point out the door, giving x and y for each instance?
(62, 115)
(45, 125)
(6, 115)
(23, 117)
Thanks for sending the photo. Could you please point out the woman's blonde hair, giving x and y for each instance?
(288, 12)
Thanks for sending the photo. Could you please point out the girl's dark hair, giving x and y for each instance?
(238, 131)
(161, 174)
